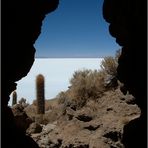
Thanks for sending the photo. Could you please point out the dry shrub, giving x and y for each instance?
(109, 65)
(85, 84)
(91, 84)
(23, 102)
(61, 97)
(50, 117)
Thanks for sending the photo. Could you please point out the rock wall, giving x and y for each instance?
(128, 24)
(21, 26)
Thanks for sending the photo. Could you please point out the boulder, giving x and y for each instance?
(21, 119)
(34, 128)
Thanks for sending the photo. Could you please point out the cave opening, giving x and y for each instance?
(74, 32)
(129, 29)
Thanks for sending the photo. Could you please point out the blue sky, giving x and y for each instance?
(76, 29)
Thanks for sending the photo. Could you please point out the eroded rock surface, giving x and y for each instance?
(128, 24)
(108, 114)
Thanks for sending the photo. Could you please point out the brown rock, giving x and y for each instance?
(22, 121)
(34, 128)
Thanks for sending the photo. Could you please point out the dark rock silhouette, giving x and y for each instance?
(84, 118)
(114, 135)
(21, 26)
(81, 146)
(57, 144)
(92, 128)
(22, 120)
(128, 24)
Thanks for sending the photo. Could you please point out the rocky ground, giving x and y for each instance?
(98, 124)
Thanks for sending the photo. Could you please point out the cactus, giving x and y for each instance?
(40, 94)
(14, 98)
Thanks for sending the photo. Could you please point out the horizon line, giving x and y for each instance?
(69, 57)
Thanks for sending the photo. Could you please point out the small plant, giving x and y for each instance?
(91, 84)
(23, 102)
(85, 85)
(61, 97)
(14, 98)
(109, 66)
(40, 94)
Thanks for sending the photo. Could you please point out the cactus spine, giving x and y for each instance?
(14, 98)
(40, 94)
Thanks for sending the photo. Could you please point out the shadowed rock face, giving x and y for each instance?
(21, 26)
(127, 19)
(22, 21)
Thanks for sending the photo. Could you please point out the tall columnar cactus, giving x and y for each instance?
(40, 94)
(14, 98)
